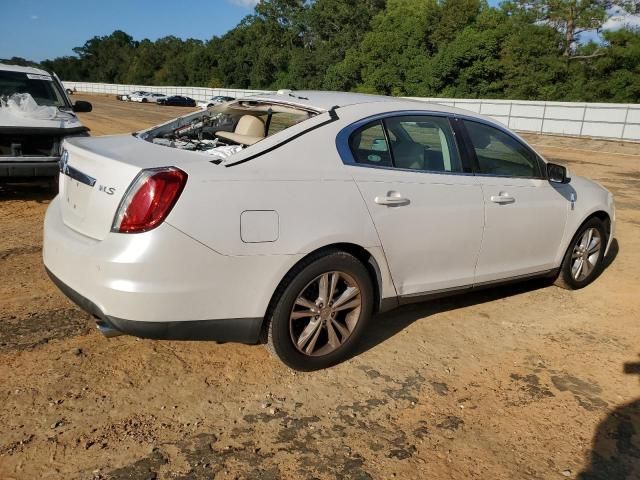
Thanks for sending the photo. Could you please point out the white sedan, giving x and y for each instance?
(215, 101)
(292, 218)
(146, 97)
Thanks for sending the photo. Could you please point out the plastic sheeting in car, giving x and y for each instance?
(23, 105)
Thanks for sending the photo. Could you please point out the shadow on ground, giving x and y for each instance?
(389, 324)
(615, 453)
(37, 190)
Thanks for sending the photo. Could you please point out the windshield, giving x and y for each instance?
(43, 88)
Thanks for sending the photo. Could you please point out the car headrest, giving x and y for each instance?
(480, 137)
(250, 125)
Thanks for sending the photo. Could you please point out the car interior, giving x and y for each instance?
(499, 154)
(416, 144)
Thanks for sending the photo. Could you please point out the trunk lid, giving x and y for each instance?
(96, 173)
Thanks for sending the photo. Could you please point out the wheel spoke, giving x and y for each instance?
(586, 267)
(577, 268)
(309, 330)
(584, 241)
(332, 285)
(594, 246)
(589, 237)
(303, 302)
(346, 306)
(312, 343)
(302, 314)
(331, 333)
(347, 295)
(323, 289)
(344, 332)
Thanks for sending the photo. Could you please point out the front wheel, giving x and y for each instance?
(584, 258)
(321, 311)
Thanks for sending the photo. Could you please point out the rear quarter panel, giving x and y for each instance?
(316, 200)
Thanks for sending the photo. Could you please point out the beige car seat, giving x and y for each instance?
(248, 131)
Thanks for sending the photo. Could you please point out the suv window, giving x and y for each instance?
(369, 145)
(423, 142)
(500, 154)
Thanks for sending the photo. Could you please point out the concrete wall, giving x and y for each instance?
(601, 120)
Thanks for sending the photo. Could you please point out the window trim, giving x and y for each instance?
(470, 149)
(344, 136)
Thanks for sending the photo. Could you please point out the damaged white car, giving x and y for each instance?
(35, 117)
(292, 218)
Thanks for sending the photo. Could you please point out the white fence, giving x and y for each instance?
(197, 93)
(601, 120)
(619, 121)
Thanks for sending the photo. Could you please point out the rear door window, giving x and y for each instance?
(368, 145)
(423, 143)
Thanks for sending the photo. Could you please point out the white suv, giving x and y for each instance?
(35, 117)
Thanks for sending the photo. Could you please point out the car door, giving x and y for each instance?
(525, 215)
(427, 210)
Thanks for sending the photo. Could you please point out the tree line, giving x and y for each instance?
(522, 49)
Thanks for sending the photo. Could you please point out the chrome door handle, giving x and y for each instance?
(392, 199)
(502, 198)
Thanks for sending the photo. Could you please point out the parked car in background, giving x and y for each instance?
(147, 97)
(127, 97)
(177, 101)
(215, 101)
(36, 116)
(292, 218)
(137, 96)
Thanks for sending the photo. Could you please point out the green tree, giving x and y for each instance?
(571, 17)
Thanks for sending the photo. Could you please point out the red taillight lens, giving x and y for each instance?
(149, 200)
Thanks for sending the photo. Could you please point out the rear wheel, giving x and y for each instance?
(583, 260)
(321, 311)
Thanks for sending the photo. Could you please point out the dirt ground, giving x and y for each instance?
(521, 382)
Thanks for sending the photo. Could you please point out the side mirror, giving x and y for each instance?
(557, 173)
(82, 106)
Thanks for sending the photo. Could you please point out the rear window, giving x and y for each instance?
(281, 121)
(43, 89)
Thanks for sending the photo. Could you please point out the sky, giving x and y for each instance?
(41, 29)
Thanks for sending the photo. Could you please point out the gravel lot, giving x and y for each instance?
(527, 381)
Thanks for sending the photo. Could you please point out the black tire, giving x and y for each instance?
(279, 332)
(144, 100)
(566, 278)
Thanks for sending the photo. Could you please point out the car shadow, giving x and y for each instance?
(386, 325)
(615, 452)
(42, 190)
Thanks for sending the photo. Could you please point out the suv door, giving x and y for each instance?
(427, 210)
(525, 216)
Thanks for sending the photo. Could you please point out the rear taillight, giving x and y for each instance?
(149, 200)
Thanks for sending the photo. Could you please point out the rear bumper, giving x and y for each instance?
(162, 283)
(244, 330)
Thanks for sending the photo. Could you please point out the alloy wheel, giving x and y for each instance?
(325, 313)
(586, 253)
